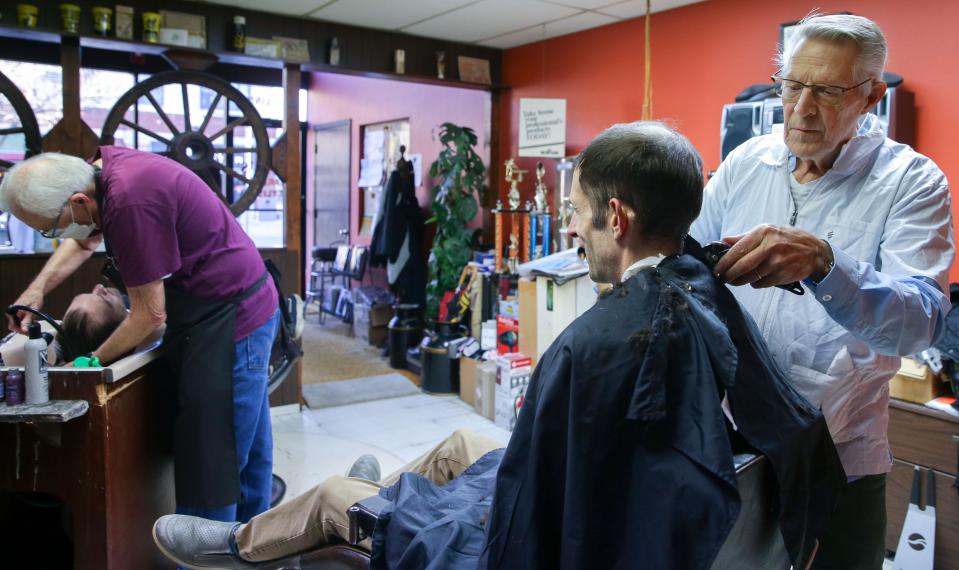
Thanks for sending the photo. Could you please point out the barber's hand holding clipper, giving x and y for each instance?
(771, 256)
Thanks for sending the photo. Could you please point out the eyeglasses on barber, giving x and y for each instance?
(830, 95)
(54, 231)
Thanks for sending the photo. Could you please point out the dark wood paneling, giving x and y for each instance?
(923, 436)
(287, 261)
(113, 469)
(361, 49)
(19, 270)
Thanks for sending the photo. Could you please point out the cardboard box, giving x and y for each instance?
(527, 323)
(507, 334)
(512, 378)
(916, 383)
(124, 24)
(558, 305)
(261, 47)
(380, 315)
(174, 36)
(485, 390)
(488, 335)
(191, 24)
(509, 308)
(468, 371)
(369, 323)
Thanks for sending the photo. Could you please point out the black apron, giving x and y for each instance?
(198, 347)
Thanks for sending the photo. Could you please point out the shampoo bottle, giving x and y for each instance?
(35, 369)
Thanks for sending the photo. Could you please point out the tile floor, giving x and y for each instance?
(311, 445)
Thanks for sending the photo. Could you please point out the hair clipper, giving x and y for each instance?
(715, 250)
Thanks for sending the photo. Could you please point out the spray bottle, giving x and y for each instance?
(35, 379)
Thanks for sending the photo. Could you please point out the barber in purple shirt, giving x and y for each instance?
(186, 263)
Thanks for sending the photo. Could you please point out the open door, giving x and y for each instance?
(331, 187)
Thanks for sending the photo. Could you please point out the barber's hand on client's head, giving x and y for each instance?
(19, 322)
(770, 255)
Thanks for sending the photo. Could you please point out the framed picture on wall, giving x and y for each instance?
(474, 70)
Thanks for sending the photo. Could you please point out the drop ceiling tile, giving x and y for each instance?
(489, 18)
(636, 8)
(385, 14)
(577, 23)
(285, 7)
(584, 4)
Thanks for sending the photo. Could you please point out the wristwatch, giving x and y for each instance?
(830, 261)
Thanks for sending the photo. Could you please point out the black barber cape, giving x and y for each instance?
(621, 456)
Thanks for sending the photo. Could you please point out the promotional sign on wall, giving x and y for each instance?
(542, 127)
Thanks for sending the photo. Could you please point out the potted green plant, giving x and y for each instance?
(461, 176)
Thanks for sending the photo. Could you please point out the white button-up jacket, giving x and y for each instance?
(884, 209)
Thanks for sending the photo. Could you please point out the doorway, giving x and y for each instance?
(331, 186)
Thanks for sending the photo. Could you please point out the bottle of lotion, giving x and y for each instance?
(35, 379)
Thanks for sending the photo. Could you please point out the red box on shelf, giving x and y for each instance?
(507, 334)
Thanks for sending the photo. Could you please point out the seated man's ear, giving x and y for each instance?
(621, 217)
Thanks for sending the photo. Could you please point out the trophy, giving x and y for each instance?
(542, 206)
(518, 252)
(539, 218)
(564, 210)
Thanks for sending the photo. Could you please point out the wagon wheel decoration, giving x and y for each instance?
(202, 147)
(21, 121)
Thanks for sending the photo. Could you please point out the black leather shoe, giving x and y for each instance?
(366, 467)
(195, 542)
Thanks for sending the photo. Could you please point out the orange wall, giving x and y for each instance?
(703, 54)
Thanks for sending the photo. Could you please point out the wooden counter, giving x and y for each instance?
(113, 468)
(926, 437)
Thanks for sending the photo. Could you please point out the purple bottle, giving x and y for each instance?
(3, 379)
(14, 386)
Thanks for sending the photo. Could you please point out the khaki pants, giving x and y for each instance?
(312, 519)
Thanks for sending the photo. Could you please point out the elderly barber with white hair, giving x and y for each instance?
(865, 224)
(185, 262)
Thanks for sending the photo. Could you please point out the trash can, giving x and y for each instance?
(406, 331)
(440, 358)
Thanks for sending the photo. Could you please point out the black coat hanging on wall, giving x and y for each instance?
(398, 236)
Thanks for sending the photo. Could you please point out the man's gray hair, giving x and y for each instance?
(842, 28)
(42, 184)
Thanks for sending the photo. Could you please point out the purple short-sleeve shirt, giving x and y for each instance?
(163, 222)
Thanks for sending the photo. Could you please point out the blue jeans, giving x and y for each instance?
(251, 422)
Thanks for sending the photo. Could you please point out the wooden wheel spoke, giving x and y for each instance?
(210, 180)
(209, 113)
(145, 131)
(162, 113)
(232, 149)
(238, 186)
(186, 107)
(229, 127)
(230, 172)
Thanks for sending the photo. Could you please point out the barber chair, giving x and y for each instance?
(754, 542)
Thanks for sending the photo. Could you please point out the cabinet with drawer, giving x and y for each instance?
(930, 439)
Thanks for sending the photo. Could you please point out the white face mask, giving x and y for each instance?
(75, 230)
